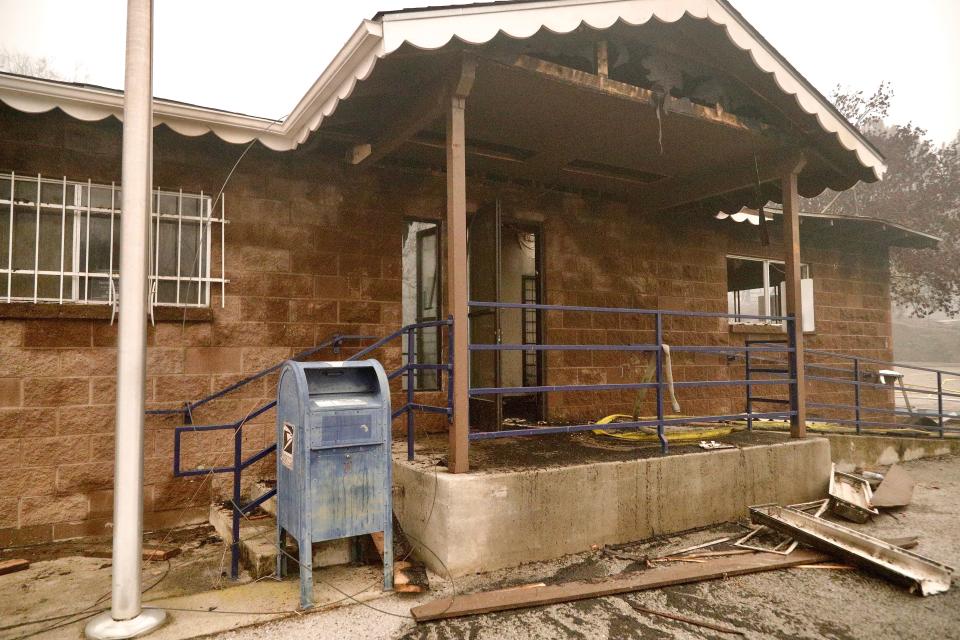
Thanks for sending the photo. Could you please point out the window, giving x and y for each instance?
(60, 242)
(755, 287)
(421, 296)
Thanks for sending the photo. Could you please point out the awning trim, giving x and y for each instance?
(431, 29)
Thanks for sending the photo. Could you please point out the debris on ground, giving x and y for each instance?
(781, 544)
(409, 576)
(896, 489)
(150, 552)
(660, 576)
(872, 477)
(12, 566)
(851, 496)
(713, 444)
(920, 574)
(680, 618)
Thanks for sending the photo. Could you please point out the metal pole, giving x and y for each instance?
(659, 363)
(497, 317)
(856, 390)
(746, 376)
(940, 401)
(235, 512)
(794, 369)
(126, 617)
(411, 383)
(449, 369)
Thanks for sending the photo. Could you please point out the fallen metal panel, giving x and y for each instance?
(919, 574)
(851, 496)
(896, 490)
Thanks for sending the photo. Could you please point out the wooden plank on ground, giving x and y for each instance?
(12, 566)
(506, 599)
(153, 553)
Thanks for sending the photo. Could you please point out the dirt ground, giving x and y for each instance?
(583, 448)
(792, 603)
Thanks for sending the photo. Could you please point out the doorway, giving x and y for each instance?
(505, 265)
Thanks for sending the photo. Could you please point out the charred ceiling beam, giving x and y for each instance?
(432, 103)
(624, 91)
(685, 190)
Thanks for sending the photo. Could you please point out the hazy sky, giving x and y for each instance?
(260, 57)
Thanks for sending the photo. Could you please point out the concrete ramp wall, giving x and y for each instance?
(479, 522)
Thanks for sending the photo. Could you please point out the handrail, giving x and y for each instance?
(853, 376)
(187, 409)
(657, 347)
(629, 310)
(902, 365)
(238, 509)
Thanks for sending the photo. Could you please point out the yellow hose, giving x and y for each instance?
(678, 436)
(778, 425)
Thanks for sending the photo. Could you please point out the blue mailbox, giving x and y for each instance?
(333, 459)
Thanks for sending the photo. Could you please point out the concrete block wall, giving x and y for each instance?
(602, 255)
(309, 252)
(312, 250)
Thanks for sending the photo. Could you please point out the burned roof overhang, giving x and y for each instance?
(532, 119)
(711, 26)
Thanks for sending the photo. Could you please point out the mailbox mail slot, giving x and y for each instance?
(334, 461)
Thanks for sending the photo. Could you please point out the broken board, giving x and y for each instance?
(11, 566)
(514, 598)
(408, 577)
(154, 553)
(896, 490)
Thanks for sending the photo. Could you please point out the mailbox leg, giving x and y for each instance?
(280, 548)
(306, 571)
(388, 555)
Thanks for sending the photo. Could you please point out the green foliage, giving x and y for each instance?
(921, 190)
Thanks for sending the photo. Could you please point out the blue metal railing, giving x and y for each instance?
(238, 509)
(657, 347)
(753, 352)
(855, 377)
(857, 374)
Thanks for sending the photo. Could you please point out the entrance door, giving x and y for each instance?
(505, 266)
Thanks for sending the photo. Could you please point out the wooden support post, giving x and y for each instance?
(603, 63)
(457, 456)
(794, 306)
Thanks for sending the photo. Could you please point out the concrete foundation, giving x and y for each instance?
(483, 521)
(850, 451)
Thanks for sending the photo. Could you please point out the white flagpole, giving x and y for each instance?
(126, 617)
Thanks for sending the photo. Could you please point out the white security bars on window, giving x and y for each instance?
(62, 243)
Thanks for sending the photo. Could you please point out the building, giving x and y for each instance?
(587, 147)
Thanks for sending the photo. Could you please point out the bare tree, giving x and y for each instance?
(27, 65)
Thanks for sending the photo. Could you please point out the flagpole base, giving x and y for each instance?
(104, 627)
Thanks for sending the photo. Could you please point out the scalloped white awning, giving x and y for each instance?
(432, 29)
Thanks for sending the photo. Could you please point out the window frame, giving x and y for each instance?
(77, 210)
(424, 382)
(767, 289)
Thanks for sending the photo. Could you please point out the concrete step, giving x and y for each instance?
(258, 537)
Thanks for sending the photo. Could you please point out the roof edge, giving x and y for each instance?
(431, 28)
